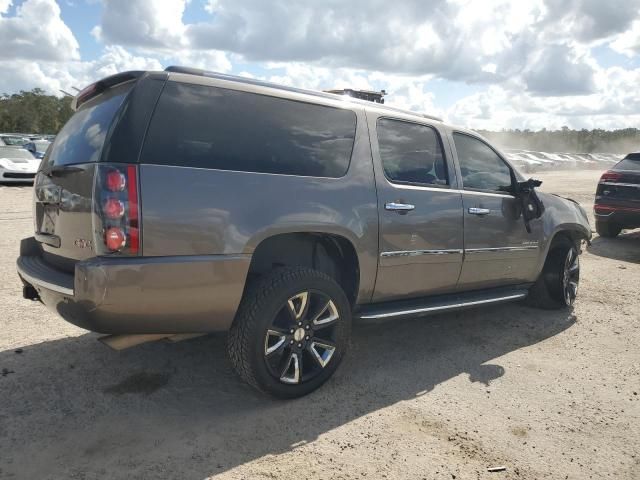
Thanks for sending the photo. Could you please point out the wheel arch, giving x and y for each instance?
(330, 253)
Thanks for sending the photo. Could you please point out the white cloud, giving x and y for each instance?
(628, 43)
(142, 23)
(56, 76)
(614, 104)
(556, 70)
(36, 32)
(533, 58)
(4, 6)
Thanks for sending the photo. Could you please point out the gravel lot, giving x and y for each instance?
(545, 394)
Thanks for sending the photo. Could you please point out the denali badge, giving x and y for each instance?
(82, 243)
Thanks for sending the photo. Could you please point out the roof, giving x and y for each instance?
(314, 93)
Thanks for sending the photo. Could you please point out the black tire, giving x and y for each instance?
(280, 306)
(608, 230)
(557, 285)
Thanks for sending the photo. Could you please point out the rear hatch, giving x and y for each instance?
(621, 184)
(65, 180)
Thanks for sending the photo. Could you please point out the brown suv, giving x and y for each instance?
(184, 201)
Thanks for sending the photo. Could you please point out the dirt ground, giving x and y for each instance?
(545, 394)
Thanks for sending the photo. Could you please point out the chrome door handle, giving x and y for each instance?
(399, 207)
(479, 211)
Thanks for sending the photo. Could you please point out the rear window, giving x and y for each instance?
(632, 162)
(82, 138)
(208, 127)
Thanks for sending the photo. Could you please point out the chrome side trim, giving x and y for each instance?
(37, 282)
(501, 249)
(490, 194)
(415, 253)
(445, 189)
(443, 307)
(442, 189)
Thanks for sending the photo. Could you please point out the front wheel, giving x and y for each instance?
(291, 331)
(557, 286)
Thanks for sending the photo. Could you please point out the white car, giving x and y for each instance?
(17, 165)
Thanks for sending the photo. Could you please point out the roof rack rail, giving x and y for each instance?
(261, 83)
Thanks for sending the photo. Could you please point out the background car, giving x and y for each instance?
(617, 204)
(17, 165)
(11, 140)
(37, 147)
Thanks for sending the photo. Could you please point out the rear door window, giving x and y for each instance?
(208, 127)
(481, 167)
(83, 136)
(411, 153)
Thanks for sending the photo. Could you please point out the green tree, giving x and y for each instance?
(33, 112)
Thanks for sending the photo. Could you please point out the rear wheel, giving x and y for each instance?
(557, 286)
(607, 229)
(291, 331)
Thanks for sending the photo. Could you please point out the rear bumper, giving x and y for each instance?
(625, 216)
(182, 294)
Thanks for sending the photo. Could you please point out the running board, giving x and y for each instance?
(441, 303)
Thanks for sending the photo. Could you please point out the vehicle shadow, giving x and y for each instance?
(625, 247)
(73, 408)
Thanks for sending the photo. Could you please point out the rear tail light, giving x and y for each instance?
(610, 176)
(116, 212)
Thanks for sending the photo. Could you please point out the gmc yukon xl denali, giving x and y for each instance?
(186, 202)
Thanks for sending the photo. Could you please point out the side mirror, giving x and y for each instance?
(31, 147)
(532, 206)
(527, 186)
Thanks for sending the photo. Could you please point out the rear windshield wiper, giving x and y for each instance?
(60, 170)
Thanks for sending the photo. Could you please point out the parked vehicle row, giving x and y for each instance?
(219, 203)
(20, 156)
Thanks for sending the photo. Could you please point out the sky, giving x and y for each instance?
(484, 64)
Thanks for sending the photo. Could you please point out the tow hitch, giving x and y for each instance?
(30, 293)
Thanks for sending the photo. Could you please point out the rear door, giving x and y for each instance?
(420, 211)
(498, 250)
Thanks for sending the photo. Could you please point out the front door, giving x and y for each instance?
(421, 231)
(498, 249)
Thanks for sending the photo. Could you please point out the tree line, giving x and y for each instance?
(33, 112)
(569, 141)
(36, 112)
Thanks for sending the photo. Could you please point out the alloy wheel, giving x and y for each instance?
(571, 276)
(301, 339)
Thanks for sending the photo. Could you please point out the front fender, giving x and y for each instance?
(561, 216)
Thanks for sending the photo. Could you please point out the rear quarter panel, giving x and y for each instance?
(192, 211)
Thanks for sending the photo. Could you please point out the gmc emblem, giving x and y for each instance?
(82, 243)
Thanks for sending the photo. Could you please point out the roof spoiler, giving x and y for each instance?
(100, 86)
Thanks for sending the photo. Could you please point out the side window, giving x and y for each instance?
(209, 127)
(481, 167)
(411, 153)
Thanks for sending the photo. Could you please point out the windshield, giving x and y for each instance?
(15, 141)
(41, 146)
(82, 138)
(7, 152)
